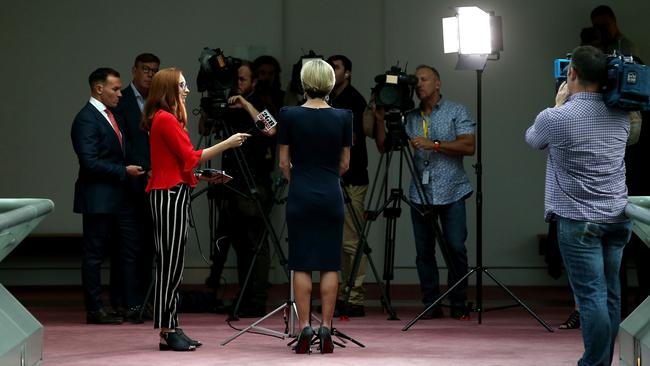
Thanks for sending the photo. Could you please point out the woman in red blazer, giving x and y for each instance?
(173, 160)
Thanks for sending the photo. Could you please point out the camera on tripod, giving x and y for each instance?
(217, 76)
(394, 90)
(394, 94)
(626, 85)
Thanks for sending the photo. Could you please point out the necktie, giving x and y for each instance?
(114, 124)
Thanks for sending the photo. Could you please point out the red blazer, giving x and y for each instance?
(173, 157)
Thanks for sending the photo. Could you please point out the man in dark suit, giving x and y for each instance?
(108, 216)
(130, 109)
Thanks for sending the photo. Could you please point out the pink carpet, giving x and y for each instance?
(506, 337)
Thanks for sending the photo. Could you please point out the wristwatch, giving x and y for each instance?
(436, 145)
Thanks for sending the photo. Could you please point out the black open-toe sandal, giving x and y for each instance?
(175, 342)
(573, 322)
(193, 342)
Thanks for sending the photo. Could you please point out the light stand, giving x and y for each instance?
(474, 44)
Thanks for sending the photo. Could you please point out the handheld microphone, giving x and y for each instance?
(265, 121)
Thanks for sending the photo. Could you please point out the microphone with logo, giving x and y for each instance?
(265, 121)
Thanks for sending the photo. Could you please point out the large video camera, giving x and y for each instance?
(394, 94)
(217, 76)
(394, 90)
(627, 84)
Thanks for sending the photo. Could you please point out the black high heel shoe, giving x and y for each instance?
(303, 344)
(325, 337)
(193, 342)
(175, 342)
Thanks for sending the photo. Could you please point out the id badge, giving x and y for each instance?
(425, 177)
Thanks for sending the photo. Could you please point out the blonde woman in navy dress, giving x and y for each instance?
(314, 151)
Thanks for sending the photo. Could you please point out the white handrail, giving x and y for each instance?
(16, 211)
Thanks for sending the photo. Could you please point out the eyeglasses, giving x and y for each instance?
(183, 85)
(148, 70)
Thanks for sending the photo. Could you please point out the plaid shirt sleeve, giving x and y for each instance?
(537, 135)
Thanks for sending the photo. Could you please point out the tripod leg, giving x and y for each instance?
(343, 337)
(392, 315)
(445, 294)
(389, 253)
(252, 253)
(289, 308)
(362, 250)
(521, 303)
(339, 334)
(263, 330)
(244, 286)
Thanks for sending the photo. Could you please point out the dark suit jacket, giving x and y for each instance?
(102, 170)
(137, 152)
(137, 140)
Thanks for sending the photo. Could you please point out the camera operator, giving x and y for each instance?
(267, 73)
(355, 182)
(586, 193)
(592, 36)
(240, 222)
(442, 133)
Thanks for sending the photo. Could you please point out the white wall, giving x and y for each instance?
(49, 48)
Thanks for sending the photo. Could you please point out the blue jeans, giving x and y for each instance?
(454, 231)
(592, 256)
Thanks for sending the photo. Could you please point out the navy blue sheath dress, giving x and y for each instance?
(314, 214)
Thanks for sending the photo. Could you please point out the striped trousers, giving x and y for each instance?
(170, 212)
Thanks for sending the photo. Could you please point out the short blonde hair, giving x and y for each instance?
(317, 77)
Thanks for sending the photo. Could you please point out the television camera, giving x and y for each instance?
(394, 94)
(394, 90)
(626, 85)
(217, 76)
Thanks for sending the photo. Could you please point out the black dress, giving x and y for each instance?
(315, 215)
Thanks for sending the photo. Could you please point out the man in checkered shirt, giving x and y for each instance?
(586, 193)
(442, 133)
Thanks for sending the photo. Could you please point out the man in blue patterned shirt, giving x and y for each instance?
(586, 193)
(442, 133)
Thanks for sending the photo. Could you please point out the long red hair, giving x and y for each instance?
(165, 94)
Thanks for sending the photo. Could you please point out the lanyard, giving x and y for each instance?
(425, 125)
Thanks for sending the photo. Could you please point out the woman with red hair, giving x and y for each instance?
(173, 160)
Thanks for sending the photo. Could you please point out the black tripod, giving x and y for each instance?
(397, 140)
(253, 194)
(363, 248)
(261, 240)
(289, 307)
(479, 269)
